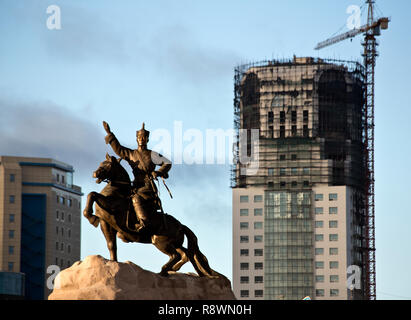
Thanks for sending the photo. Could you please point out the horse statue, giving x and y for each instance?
(114, 212)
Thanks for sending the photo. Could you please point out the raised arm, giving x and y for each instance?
(111, 139)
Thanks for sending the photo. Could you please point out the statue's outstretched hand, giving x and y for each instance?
(106, 127)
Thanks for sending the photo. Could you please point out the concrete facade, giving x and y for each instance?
(39, 219)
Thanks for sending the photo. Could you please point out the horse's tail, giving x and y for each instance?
(199, 261)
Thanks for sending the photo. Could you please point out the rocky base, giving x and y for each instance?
(97, 278)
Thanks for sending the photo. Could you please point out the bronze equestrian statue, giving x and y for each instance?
(133, 211)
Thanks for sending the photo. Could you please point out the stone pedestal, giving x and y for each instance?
(97, 278)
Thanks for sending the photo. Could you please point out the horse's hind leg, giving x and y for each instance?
(110, 235)
(165, 246)
(184, 258)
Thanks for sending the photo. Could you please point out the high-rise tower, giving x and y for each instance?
(298, 206)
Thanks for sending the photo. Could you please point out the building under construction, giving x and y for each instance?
(299, 215)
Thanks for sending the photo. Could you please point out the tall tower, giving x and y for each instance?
(39, 220)
(298, 179)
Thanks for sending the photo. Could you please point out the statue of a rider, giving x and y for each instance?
(143, 163)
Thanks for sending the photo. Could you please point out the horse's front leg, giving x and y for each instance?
(110, 235)
(88, 210)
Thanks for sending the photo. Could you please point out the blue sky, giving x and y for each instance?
(126, 62)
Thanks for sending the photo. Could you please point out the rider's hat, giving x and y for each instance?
(143, 132)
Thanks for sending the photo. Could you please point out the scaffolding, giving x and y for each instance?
(311, 124)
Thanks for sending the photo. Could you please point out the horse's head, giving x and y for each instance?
(105, 171)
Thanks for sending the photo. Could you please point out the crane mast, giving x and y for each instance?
(371, 30)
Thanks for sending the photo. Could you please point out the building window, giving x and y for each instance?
(319, 278)
(319, 197)
(243, 239)
(293, 131)
(62, 179)
(282, 184)
(282, 171)
(258, 293)
(258, 252)
(334, 292)
(62, 216)
(11, 234)
(334, 237)
(244, 294)
(319, 292)
(258, 279)
(243, 212)
(332, 197)
(294, 184)
(12, 177)
(69, 203)
(62, 232)
(58, 177)
(57, 261)
(12, 199)
(57, 214)
(319, 224)
(305, 115)
(319, 251)
(244, 252)
(57, 230)
(333, 210)
(10, 266)
(282, 116)
(270, 171)
(62, 247)
(293, 116)
(244, 266)
(333, 251)
(293, 157)
(68, 249)
(12, 217)
(244, 280)
(11, 249)
(319, 210)
(243, 225)
(258, 198)
(69, 233)
(319, 237)
(258, 266)
(258, 225)
(333, 224)
(319, 264)
(270, 116)
(258, 212)
(243, 199)
(306, 171)
(270, 185)
(305, 131)
(57, 245)
(333, 264)
(306, 183)
(334, 278)
(294, 171)
(282, 131)
(282, 157)
(258, 239)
